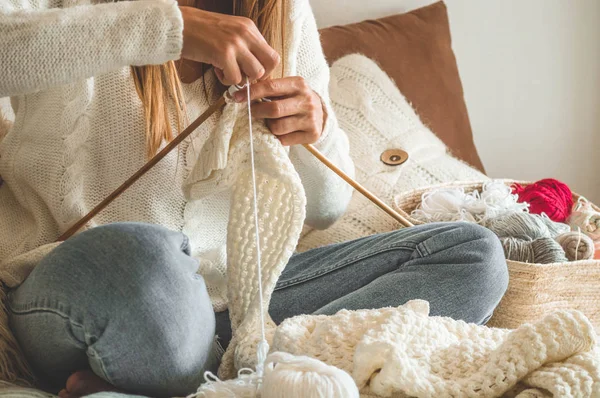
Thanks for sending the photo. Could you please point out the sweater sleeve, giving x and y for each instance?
(42, 48)
(327, 194)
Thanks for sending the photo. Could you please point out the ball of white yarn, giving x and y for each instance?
(290, 376)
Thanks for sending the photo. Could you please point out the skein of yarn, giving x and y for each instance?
(547, 196)
(289, 376)
(585, 218)
(454, 204)
(525, 226)
(529, 238)
(577, 246)
(539, 251)
(285, 376)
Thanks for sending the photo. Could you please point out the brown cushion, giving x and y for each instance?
(415, 50)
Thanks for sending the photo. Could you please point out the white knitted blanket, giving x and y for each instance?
(405, 352)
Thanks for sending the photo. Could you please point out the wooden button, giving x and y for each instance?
(394, 157)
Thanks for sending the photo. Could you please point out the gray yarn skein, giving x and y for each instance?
(529, 238)
(539, 251)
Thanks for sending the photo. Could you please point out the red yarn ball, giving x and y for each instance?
(548, 196)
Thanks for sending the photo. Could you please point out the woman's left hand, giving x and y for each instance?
(295, 113)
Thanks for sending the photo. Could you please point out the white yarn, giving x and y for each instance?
(454, 204)
(290, 376)
(286, 376)
(263, 346)
(245, 386)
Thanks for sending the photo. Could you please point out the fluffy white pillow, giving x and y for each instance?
(377, 117)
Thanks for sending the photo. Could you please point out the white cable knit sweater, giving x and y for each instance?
(76, 137)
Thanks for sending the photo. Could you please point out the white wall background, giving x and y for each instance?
(531, 75)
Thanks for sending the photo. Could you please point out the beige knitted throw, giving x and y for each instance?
(405, 352)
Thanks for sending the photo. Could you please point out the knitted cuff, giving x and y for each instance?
(329, 124)
(174, 43)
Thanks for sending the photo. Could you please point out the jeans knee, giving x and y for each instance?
(124, 256)
(114, 267)
(488, 277)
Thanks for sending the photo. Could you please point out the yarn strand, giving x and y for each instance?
(263, 346)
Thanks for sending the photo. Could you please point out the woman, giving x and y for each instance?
(112, 308)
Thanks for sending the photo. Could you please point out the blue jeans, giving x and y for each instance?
(125, 300)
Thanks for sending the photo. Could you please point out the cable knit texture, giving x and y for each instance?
(75, 138)
(377, 117)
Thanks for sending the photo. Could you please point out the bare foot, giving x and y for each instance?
(84, 382)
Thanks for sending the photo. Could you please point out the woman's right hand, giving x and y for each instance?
(232, 45)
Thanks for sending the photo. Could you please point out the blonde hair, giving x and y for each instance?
(159, 86)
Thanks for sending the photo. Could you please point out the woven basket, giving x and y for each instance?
(534, 290)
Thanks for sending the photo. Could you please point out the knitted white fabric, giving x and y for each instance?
(404, 352)
(224, 164)
(377, 117)
(75, 138)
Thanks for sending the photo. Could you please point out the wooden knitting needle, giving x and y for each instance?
(382, 205)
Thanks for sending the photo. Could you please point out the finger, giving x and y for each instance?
(256, 43)
(288, 124)
(250, 66)
(277, 109)
(285, 87)
(231, 73)
(220, 74)
(298, 138)
(265, 54)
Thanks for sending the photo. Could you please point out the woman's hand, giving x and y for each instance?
(233, 45)
(295, 113)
